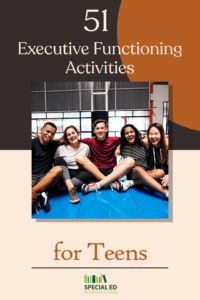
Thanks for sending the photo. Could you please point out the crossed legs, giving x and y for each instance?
(52, 177)
(119, 171)
(74, 177)
(140, 176)
(86, 164)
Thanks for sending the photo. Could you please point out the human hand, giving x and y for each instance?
(165, 180)
(117, 152)
(35, 135)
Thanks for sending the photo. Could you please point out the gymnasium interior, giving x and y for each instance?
(120, 103)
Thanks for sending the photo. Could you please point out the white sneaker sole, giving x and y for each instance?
(74, 201)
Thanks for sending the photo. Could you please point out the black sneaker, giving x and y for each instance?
(37, 206)
(45, 202)
(73, 197)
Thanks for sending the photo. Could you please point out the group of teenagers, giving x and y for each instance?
(89, 164)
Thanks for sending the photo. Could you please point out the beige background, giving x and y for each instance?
(26, 243)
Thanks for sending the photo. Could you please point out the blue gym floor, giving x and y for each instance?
(136, 203)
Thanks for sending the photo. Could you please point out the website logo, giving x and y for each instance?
(94, 284)
(94, 279)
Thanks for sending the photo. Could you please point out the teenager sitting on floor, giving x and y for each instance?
(102, 163)
(43, 175)
(65, 156)
(133, 145)
(157, 154)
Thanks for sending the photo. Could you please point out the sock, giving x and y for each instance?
(129, 181)
(98, 185)
(45, 197)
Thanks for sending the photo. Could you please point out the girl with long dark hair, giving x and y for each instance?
(135, 146)
(157, 154)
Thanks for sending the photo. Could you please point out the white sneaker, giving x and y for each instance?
(116, 186)
(125, 185)
(92, 187)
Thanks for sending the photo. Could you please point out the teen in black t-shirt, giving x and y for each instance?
(43, 150)
(42, 156)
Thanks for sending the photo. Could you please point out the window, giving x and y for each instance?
(165, 117)
(82, 121)
(117, 119)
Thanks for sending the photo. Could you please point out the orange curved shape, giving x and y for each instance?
(174, 24)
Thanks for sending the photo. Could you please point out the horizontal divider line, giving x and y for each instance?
(99, 267)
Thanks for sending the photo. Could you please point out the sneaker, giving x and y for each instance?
(73, 197)
(116, 186)
(125, 185)
(122, 186)
(37, 206)
(92, 187)
(45, 201)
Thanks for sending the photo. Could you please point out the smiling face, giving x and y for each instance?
(72, 136)
(100, 131)
(129, 134)
(47, 134)
(155, 136)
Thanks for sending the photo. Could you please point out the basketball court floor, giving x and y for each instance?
(136, 203)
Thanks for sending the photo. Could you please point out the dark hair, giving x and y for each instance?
(64, 137)
(163, 145)
(50, 124)
(138, 135)
(100, 121)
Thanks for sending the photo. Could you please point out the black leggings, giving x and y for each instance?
(77, 176)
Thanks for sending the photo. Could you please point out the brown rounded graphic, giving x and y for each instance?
(144, 24)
